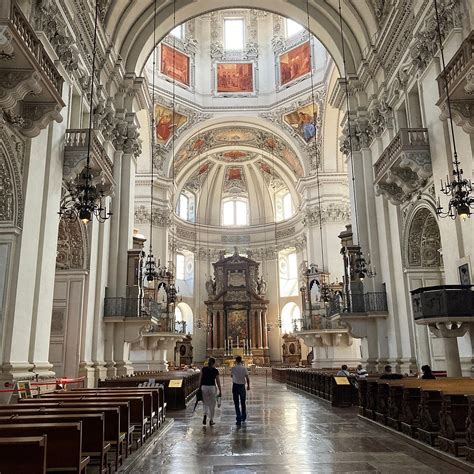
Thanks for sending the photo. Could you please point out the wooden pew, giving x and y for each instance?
(93, 444)
(138, 419)
(23, 455)
(112, 433)
(452, 420)
(126, 428)
(150, 400)
(64, 443)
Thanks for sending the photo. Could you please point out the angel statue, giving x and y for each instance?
(261, 286)
(211, 286)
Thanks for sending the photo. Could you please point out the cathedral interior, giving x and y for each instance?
(285, 181)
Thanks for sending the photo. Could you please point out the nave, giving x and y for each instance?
(287, 432)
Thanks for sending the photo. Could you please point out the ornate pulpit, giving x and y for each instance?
(237, 311)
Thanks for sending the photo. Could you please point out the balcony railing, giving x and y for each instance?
(358, 303)
(446, 301)
(148, 308)
(457, 68)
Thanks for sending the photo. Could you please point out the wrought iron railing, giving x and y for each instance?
(358, 303)
(131, 308)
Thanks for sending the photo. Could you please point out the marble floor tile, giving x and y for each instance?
(286, 432)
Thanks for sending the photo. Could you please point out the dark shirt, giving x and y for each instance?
(209, 375)
(428, 376)
(391, 376)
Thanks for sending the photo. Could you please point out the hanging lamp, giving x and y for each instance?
(151, 273)
(459, 189)
(83, 198)
(361, 267)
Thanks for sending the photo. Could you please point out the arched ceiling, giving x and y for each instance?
(130, 24)
(235, 143)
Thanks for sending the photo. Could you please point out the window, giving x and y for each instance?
(292, 28)
(235, 212)
(178, 31)
(180, 267)
(185, 207)
(284, 206)
(233, 33)
(288, 269)
(290, 318)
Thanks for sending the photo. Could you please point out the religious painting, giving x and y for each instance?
(234, 77)
(304, 120)
(235, 135)
(464, 277)
(237, 325)
(295, 63)
(174, 64)
(234, 174)
(235, 278)
(235, 155)
(164, 126)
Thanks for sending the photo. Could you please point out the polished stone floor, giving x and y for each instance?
(287, 432)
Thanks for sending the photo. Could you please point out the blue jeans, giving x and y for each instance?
(238, 393)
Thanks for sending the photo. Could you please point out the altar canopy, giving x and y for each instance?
(237, 311)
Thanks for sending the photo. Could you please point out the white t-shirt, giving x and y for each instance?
(239, 372)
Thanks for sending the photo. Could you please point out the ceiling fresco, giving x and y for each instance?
(197, 179)
(237, 136)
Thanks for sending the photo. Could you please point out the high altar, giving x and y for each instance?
(237, 311)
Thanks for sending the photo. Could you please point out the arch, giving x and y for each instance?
(72, 245)
(130, 25)
(290, 316)
(422, 240)
(183, 312)
(12, 157)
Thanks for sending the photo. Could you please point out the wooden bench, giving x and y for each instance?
(138, 419)
(23, 455)
(124, 447)
(112, 434)
(64, 443)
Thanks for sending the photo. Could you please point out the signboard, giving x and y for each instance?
(175, 383)
(342, 381)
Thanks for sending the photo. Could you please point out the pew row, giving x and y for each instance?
(26, 454)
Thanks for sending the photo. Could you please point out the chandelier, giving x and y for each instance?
(151, 272)
(361, 266)
(84, 199)
(459, 190)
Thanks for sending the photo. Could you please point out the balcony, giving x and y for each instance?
(75, 155)
(460, 80)
(30, 84)
(404, 165)
(441, 303)
(120, 309)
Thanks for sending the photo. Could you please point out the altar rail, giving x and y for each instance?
(437, 412)
(323, 385)
(176, 398)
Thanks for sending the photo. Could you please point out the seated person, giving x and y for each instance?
(427, 374)
(361, 372)
(389, 375)
(343, 372)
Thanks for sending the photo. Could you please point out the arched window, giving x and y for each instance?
(284, 205)
(180, 269)
(184, 314)
(178, 31)
(185, 207)
(288, 269)
(292, 27)
(290, 318)
(235, 212)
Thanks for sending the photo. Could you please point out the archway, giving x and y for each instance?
(290, 318)
(130, 25)
(184, 314)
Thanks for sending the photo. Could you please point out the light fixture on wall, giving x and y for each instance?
(361, 267)
(151, 267)
(459, 190)
(84, 198)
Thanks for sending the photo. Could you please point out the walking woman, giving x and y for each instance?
(209, 380)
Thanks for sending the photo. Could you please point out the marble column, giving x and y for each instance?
(259, 329)
(214, 329)
(221, 330)
(264, 329)
(121, 351)
(111, 371)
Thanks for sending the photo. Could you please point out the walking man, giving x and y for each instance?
(239, 377)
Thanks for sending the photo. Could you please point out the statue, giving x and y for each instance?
(261, 286)
(211, 286)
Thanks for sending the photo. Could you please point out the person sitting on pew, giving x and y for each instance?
(361, 372)
(427, 373)
(389, 375)
(343, 372)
